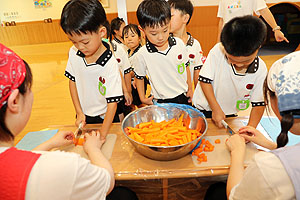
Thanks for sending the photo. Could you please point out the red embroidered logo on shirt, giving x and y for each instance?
(249, 86)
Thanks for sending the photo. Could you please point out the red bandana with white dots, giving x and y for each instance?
(12, 73)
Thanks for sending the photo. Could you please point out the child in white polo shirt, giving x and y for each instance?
(163, 59)
(181, 14)
(229, 9)
(95, 81)
(116, 26)
(232, 76)
(132, 39)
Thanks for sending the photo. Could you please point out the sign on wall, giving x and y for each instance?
(42, 3)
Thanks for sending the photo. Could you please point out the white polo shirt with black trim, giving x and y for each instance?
(122, 58)
(230, 87)
(97, 83)
(166, 70)
(195, 54)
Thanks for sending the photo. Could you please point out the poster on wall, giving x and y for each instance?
(105, 3)
(42, 3)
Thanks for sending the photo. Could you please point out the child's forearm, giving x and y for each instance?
(189, 79)
(127, 78)
(124, 88)
(210, 96)
(140, 88)
(268, 16)
(108, 119)
(256, 115)
(74, 96)
(196, 76)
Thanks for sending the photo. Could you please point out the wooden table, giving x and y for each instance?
(128, 164)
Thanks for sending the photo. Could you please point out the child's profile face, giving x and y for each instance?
(241, 61)
(158, 35)
(87, 43)
(131, 39)
(177, 20)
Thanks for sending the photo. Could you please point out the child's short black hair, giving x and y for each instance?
(82, 16)
(153, 13)
(133, 28)
(185, 6)
(115, 24)
(107, 26)
(242, 36)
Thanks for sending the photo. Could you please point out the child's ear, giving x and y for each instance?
(13, 101)
(186, 18)
(102, 31)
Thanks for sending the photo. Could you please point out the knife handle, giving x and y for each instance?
(224, 123)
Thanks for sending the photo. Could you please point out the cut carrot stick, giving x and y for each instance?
(217, 141)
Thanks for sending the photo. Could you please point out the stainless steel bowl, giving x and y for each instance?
(158, 114)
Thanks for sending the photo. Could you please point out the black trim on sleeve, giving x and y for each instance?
(128, 70)
(139, 77)
(258, 104)
(204, 80)
(198, 67)
(187, 64)
(69, 76)
(114, 99)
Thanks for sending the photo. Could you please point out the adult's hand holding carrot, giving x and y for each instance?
(61, 138)
(92, 142)
(236, 145)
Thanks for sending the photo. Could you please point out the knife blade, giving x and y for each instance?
(78, 133)
(230, 130)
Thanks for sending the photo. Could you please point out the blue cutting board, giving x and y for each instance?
(33, 139)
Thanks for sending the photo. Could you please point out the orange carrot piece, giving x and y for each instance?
(217, 141)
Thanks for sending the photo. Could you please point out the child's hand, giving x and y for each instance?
(148, 101)
(80, 119)
(253, 135)
(279, 36)
(128, 98)
(217, 117)
(92, 141)
(190, 95)
(236, 145)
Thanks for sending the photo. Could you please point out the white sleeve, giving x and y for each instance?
(198, 56)
(139, 65)
(62, 175)
(114, 84)
(92, 182)
(264, 178)
(69, 73)
(125, 64)
(220, 10)
(207, 72)
(258, 89)
(259, 5)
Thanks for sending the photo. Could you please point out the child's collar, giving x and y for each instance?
(152, 48)
(135, 50)
(190, 41)
(117, 40)
(252, 68)
(104, 58)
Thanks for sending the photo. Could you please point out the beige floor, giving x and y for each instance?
(52, 103)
